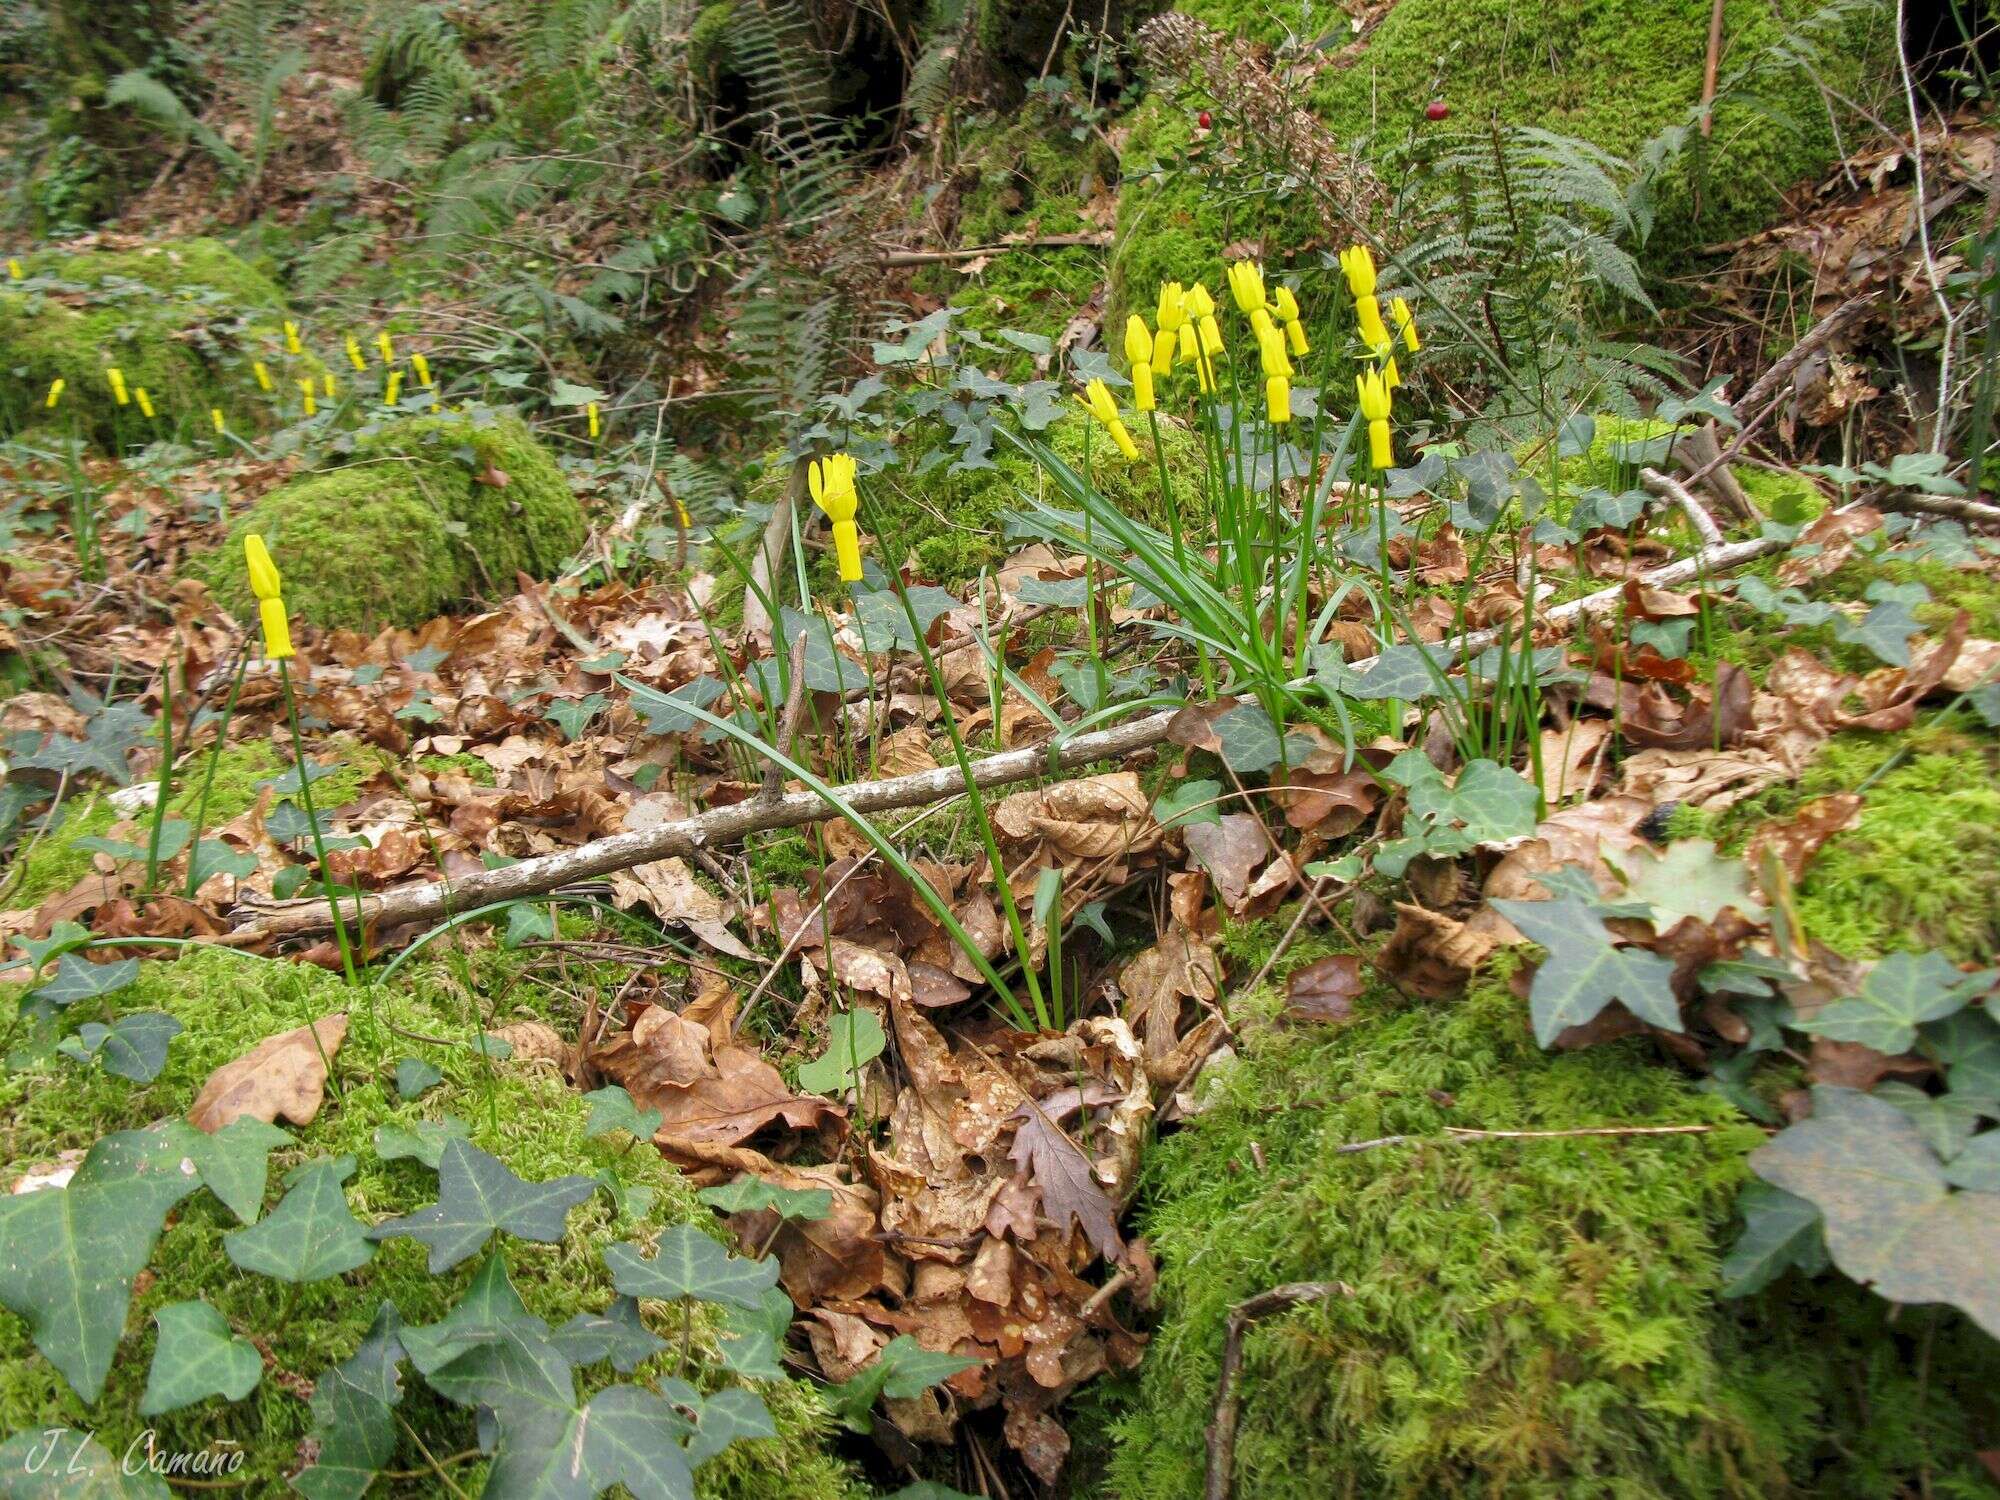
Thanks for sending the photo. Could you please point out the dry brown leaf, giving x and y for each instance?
(1793, 841)
(1573, 758)
(1325, 990)
(1093, 817)
(1229, 849)
(1835, 534)
(282, 1075)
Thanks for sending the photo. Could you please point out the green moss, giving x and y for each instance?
(462, 764)
(55, 863)
(1521, 1318)
(183, 319)
(524, 1114)
(708, 49)
(1976, 590)
(1583, 68)
(415, 526)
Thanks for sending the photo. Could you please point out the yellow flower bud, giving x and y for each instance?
(1295, 334)
(14, 269)
(1246, 285)
(1139, 350)
(1391, 376)
(265, 580)
(1406, 323)
(596, 424)
(263, 375)
(1189, 343)
(1374, 333)
(1278, 398)
(1172, 310)
(1261, 323)
(1271, 350)
(423, 368)
(145, 403)
(1199, 304)
(1142, 388)
(1211, 335)
(1105, 409)
(306, 390)
(354, 353)
(292, 345)
(394, 389)
(277, 629)
(326, 385)
(1285, 304)
(385, 347)
(1374, 396)
(55, 392)
(1359, 265)
(215, 417)
(116, 378)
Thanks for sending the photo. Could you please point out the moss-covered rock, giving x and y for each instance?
(432, 511)
(522, 1113)
(184, 319)
(1516, 1317)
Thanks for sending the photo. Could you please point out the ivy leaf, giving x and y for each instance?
(1945, 1121)
(902, 1370)
(1891, 1217)
(1686, 879)
(63, 1463)
(353, 1415)
(68, 1255)
(1249, 740)
(1488, 804)
(528, 921)
(478, 1194)
(626, 1436)
(1900, 993)
(1978, 1165)
(134, 1046)
(1780, 1230)
(854, 1039)
(489, 1350)
(690, 1264)
(826, 670)
(664, 716)
(731, 1415)
(414, 1075)
(197, 1357)
(213, 857)
(1585, 971)
(749, 1195)
(615, 1334)
(1968, 1044)
(173, 839)
(612, 1109)
(1404, 672)
(77, 978)
(423, 1140)
(234, 1162)
(1886, 630)
(573, 715)
(1189, 803)
(884, 624)
(311, 1234)
(759, 1335)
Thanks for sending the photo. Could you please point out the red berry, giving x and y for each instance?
(1437, 109)
(1202, 120)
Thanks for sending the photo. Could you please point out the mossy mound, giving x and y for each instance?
(1517, 1317)
(54, 863)
(420, 521)
(184, 319)
(523, 1113)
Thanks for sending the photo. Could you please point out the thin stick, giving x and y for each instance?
(1228, 1395)
(1669, 488)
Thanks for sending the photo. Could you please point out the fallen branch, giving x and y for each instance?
(1456, 1133)
(973, 252)
(727, 825)
(1228, 1397)
(1669, 488)
(1956, 506)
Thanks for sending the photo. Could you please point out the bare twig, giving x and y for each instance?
(973, 252)
(1955, 506)
(1454, 1134)
(1669, 488)
(1228, 1397)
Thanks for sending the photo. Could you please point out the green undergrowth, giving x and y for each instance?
(1921, 867)
(1521, 1318)
(425, 491)
(182, 318)
(524, 1113)
(55, 864)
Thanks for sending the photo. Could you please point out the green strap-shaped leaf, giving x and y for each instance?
(68, 1254)
(1891, 1217)
(626, 1436)
(1585, 971)
(477, 1195)
(690, 1264)
(311, 1234)
(353, 1415)
(63, 1463)
(197, 1357)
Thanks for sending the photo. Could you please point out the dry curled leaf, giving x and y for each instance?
(1324, 990)
(282, 1075)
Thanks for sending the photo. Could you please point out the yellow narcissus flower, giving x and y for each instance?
(1190, 345)
(14, 270)
(1097, 401)
(1246, 285)
(215, 417)
(1201, 312)
(115, 377)
(263, 375)
(1262, 323)
(1374, 333)
(326, 385)
(1391, 376)
(55, 392)
(268, 587)
(277, 629)
(292, 345)
(145, 402)
(1288, 319)
(306, 390)
(590, 414)
(1359, 266)
(831, 480)
(1171, 315)
(395, 388)
(386, 347)
(354, 353)
(1271, 350)
(1374, 396)
(1139, 350)
(1277, 376)
(423, 368)
(1406, 323)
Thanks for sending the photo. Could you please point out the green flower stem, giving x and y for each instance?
(215, 761)
(164, 787)
(312, 823)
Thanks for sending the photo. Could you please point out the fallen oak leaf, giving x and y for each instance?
(1071, 1193)
(281, 1075)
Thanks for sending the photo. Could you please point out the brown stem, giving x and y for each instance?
(1228, 1396)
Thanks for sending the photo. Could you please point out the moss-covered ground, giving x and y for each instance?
(1514, 1317)
(525, 1114)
